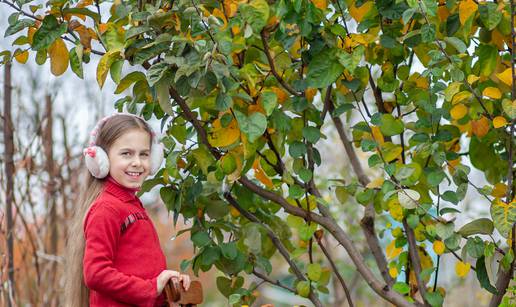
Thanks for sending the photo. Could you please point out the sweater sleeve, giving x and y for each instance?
(102, 232)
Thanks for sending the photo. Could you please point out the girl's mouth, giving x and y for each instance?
(134, 175)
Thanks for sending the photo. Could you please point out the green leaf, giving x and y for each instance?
(228, 164)
(134, 31)
(391, 126)
(489, 14)
(303, 288)
(480, 226)
(434, 299)
(428, 33)
(408, 198)
(234, 298)
(482, 276)
(314, 271)
(457, 43)
(201, 239)
(401, 287)
(451, 197)
(128, 80)
(351, 61)
(76, 62)
(223, 102)
(156, 73)
(162, 92)
(324, 69)
(253, 126)
(256, 14)
(297, 149)
(82, 11)
(203, 157)
(487, 55)
(444, 231)
(269, 102)
(48, 32)
(18, 26)
(307, 231)
(116, 70)
(504, 216)
(311, 134)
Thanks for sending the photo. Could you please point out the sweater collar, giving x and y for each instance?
(123, 193)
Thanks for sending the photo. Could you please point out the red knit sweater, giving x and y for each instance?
(122, 256)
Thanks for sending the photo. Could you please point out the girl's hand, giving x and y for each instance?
(166, 275)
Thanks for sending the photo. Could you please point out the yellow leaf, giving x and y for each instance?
(499, 121)
(84, 3)
(310, 93)
(237, 153)
(234, 212)
(461, 97)
(320, 4)
(223, 136)
(443, 13)
(480, 126)
(499, 190)
(492, 92)
(392, 251)
(103, 27)
(377, 135)
(105, 64)
(395, 209)
(58, 54)
(218, 13)
(260, 174)
(22, 57)
(230, 7)
(466, 9)
(462, 269)
(438, 247)
(393, 272)
(375, 183)
(30, 33)
(235, 30)
(419, 80)
(458, 111)
(358, 13)
(280, 93)
(472, 79)
(506, 76)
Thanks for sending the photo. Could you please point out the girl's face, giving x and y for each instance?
(129, 158)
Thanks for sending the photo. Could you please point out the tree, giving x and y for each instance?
(242, 89)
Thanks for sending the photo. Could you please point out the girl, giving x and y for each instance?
(115, 257)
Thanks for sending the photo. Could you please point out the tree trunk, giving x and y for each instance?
(51, 187)
(9, 176)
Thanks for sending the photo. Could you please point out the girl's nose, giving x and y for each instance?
(136, 161)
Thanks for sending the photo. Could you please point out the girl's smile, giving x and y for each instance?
(129, 161)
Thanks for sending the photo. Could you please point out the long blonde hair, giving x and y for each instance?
(76, 294)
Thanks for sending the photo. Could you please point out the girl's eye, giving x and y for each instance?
(125, 154)
(145, 154)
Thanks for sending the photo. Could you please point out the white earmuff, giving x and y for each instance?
(96, 161)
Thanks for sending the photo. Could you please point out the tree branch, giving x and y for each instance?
(276, 241)
(335, 269)
(504, 277)
(265, 35)
(273, 282)
(367, 222)
(414, 259)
